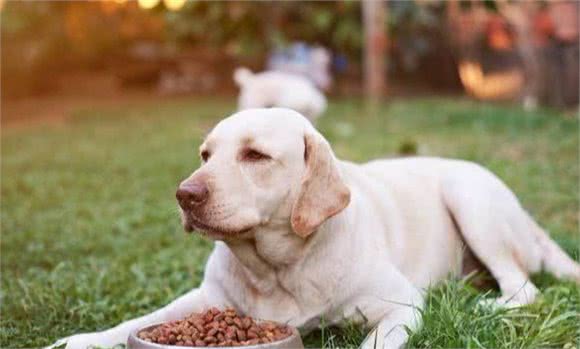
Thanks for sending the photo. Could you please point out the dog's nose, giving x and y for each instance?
(192, 193)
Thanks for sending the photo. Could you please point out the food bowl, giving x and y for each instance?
(292, 342)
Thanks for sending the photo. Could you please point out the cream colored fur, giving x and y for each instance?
(279, 89)
(336, 240)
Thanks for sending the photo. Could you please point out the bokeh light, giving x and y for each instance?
(174, 5)
(148, 4)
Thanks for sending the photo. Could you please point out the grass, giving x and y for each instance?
(90, 235)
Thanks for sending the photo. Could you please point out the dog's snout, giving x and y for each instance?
(192, 193)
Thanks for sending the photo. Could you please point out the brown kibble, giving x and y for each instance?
(241, 335)
(238, 322)
(213, 328)
(208, 316)
(246, 323)
(230, 332)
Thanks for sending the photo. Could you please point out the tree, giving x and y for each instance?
(374, 14)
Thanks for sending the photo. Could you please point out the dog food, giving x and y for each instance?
(215, 328)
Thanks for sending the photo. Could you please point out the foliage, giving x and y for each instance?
(237, 28)
(251, 28)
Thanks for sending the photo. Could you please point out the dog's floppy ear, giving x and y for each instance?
(242, 75)
(323, 193)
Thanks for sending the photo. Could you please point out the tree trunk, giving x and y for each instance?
(374, 15)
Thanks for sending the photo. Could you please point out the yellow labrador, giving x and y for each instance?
(301, 235)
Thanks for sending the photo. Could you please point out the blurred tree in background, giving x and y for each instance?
(250, 29)
(43, 39)
(30, 44)
(478, 46)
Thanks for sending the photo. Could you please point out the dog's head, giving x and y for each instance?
(253, 93)
(262, 167)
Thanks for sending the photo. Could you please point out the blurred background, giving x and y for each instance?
(490, 50)
(104, 104)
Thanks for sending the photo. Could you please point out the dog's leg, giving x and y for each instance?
(500, 259)
(497, 230)
(391, 332)
(193, 301)
(397, 308)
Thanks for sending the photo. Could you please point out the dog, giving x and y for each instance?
(279, 89)
(301, 236)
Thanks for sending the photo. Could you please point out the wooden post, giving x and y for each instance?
(375, 31)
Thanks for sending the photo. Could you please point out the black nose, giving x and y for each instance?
(191, 193)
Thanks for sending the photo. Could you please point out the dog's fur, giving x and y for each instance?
(279, 89)
(303, 236)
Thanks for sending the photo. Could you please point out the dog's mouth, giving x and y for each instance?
(191, 223)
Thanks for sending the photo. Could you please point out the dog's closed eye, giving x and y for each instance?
(254, 155)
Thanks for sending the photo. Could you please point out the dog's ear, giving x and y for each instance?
(242, 75)
(323, 193)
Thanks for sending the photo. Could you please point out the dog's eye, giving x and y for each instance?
(205, 155)
(254, 155)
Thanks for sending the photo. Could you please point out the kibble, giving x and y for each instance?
(216, 328)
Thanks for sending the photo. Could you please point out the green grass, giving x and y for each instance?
(90, 234)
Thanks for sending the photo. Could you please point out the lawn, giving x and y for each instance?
(90, 234)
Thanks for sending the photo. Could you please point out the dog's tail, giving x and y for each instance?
(242, 75)
(554, 259)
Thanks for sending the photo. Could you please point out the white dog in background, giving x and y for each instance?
(302, 236)
(279, 89)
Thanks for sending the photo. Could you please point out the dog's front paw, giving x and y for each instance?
(378, 338)
(87, 340)
(375, 341)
